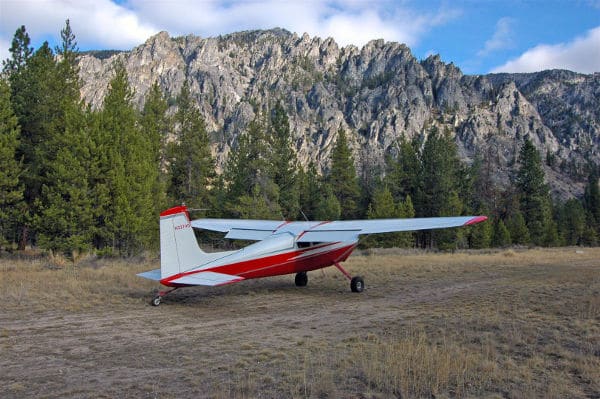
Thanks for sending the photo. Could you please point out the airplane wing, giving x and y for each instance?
(342, 230)
(347, 230)
(240, 229)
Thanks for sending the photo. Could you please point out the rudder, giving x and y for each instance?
(179, 250)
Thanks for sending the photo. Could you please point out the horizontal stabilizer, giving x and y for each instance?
(151, 275)
(210, 279)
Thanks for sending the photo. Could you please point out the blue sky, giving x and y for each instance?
(477, 36)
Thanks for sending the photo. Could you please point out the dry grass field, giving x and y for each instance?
(507, 324)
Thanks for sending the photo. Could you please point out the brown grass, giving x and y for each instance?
(517, 323)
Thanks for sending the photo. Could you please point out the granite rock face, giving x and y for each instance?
(377, 94)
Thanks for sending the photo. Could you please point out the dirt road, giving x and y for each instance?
(268, 338)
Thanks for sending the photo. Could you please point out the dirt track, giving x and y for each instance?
(257, 338)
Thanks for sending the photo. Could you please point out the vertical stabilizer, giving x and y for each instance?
(179, 250)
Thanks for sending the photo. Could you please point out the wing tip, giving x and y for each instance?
(475, 220)
(151, 275)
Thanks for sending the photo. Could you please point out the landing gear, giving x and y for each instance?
(301, 279)
(357, 284)
(158, 297)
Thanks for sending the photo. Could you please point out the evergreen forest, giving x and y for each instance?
(80, 180)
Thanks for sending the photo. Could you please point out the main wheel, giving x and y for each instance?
(155, 301)
(301, 279)
(357, 284)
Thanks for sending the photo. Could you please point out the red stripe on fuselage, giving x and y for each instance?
(285, 263)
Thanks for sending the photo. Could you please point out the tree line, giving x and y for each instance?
(74, 179)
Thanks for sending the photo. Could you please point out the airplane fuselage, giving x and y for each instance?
(271, 257)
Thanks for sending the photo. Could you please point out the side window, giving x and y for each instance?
(308, 244)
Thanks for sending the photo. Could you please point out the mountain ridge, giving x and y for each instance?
(377, 93)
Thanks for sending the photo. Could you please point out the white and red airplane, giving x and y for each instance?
(282, 248)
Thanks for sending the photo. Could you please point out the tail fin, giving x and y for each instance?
(179, 250)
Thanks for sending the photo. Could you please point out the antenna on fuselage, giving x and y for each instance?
(195, 209)
(304, 215)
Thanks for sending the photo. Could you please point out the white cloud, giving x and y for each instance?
(501, 39)
(103, 24)
(96, 23)
(347, 21)
(580, 55)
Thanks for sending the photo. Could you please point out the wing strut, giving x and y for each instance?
(357, 284)
(344, 272)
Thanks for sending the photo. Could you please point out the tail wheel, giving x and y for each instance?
(155, 301)
(301, 279)
(357, 284)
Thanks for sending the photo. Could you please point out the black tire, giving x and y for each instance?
(155, 301)
(301, 279)
(357, 284)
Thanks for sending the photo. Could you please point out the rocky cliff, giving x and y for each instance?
(377, 94)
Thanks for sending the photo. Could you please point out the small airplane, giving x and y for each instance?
(282, 247)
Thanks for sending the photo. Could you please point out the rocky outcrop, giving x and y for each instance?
(377, 94)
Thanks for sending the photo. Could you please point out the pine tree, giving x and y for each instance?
(102, 152)
(406, 210)
(45, 93)
(283, 162)
(342, 178)
(481, 233)
(63, 220)
(246, 163)
(572, 222)
(329, 207)
(11, 191)
(20, 52)
(247, 171)
(36, 102)
(255, 206)
(40, 115)
(439, 175)
(451, 239)
(591, 201)
(500, 235)
(68, 71)
(438, 195)
(534, 195)
(590, 237)
(382, 206)
(551, 237)
(192, 166)
(310, 191)
(403, 174)
(155, 125)
(518, 229)
(128, 164)
(485, 193)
